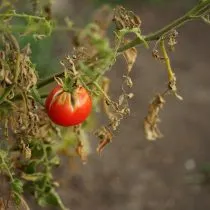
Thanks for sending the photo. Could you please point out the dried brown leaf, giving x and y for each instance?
(83, 148)
(130, 56)
(128, 81)
(102, 145)
(80, 150)
(125, 19)
(121, 99)
(151, 121)
(105, 136)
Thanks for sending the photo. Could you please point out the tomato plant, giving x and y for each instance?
(68, 109)
(28, 146)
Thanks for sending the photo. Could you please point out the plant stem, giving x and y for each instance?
(196, 12)
(49, 80)
(22, 28)
(167, 61)
(102, 91)
(23, 16)
(5, 166)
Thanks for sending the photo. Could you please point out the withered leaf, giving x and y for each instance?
(105, 136)
(81, 152)
(83, 148)
(130, 95)
(151, 129)
(121, 99)
(102, 145)
(130, 57)
(125, 19)
(26, 153)
(128, 81)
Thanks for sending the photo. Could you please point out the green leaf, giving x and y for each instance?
(31, 167)
(17, 189)
(32, 177)
(17, 186)
(46, 63)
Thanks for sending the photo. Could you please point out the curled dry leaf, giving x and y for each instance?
(83, 148)
(125, 19)
(31, 122)
(16, 68)
(105, 136)
(156, 55)
(27, 76)
(121, 99)
(130, 57)
(102, 144)
(172, 39)
(81, 152)
(151, 129)
(128, 81)
(26, 152)
(115, 111)
(106, 103)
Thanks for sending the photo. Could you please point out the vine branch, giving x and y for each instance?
(49, 80)
(196, 12)
(26, 16)
(167, 61)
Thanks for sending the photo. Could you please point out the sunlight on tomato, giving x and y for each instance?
(65, 110)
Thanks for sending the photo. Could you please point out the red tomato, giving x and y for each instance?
(61, 110)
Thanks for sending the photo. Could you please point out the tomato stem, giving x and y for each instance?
(198, 11)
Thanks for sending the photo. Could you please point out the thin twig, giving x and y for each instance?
(167, 61)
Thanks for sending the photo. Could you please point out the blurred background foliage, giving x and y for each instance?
(42, 56)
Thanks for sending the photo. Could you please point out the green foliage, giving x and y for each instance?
(38, 174)
(17, 189)
(42, 57)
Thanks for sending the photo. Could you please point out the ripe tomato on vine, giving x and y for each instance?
(68, 109)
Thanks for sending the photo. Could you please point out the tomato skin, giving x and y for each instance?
(61, 110)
